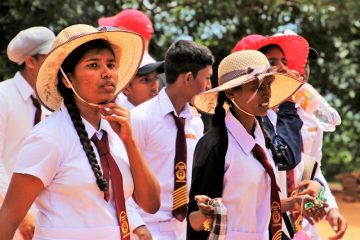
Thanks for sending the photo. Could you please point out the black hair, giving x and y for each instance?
(186, 56)
(266, 48)
(68, 66)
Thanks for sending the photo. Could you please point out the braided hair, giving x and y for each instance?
(218, 119)
(68, 66)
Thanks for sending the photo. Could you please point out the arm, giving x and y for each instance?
(137, 224)
(22, 192)
(146, 186)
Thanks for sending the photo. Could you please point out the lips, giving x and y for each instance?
(109, 86)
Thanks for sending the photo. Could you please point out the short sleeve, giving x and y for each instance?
(39, 156)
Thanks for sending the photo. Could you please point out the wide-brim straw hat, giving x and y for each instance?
(294, 47)
(128, 48)
(242, 67)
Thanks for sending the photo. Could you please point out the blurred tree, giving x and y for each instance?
(331, 26)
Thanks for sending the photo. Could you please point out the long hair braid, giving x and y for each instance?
(69, 102)
(218, 119)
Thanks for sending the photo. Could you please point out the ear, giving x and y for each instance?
(126, 90)
(66, 83)
(230, 94)
(188, 77)
(30, 62)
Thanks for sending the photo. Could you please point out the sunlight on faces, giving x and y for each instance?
(95, 76)
(253, 97)
(142, 88)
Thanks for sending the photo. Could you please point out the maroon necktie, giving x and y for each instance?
(112, 171)
(276, 218)
(180, 189)
(37, 105)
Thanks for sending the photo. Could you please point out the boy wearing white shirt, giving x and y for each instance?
(18, 110)
(188, 68)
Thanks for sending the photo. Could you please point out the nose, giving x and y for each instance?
(106, 73)
(208, 85)
(282, 68)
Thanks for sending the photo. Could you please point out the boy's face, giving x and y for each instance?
(202, 81)
(142, 88)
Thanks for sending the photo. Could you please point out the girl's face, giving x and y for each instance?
(277, 59)
(95, 76)
(253, 98)
(142, 88)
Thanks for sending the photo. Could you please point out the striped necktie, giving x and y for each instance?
(180, 189)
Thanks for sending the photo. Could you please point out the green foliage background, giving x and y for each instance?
(332, 27)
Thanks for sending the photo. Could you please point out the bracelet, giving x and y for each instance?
(208, 224)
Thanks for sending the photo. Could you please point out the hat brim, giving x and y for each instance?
(148, 68)
(313, 54)
(127, 46)
(295, 48)
(282, 88)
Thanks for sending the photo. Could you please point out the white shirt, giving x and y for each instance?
(247, 185)
(17, 114)
(155, 131)
(71, 204)
(123, 101)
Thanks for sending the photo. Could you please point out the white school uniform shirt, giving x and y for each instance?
(71, 206)
(123, 101)
(155, 132)
(17, 114)
(247, 185)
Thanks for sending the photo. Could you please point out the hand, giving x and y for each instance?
(335, 117)
(204, 207)
(27, 227)
(337, 222)
(309, 187)
(314, 214)
(142, 233)
(119, 119)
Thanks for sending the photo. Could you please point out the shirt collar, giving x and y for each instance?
(23, 86)
(242, 137)
(167, 107)
(271, 114)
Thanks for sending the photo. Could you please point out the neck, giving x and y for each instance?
(177, 97)
(29, 77)
(90, 113)
(246, 120)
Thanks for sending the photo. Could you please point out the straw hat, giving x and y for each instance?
(242, 67)
(295, 48)
(128, 48)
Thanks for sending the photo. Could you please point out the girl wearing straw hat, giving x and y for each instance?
(232, 160)
(82, 163)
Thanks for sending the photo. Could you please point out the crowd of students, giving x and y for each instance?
(120, 154)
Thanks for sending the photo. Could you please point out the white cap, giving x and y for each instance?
(31, 41)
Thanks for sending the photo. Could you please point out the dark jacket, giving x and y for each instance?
(208, 172)
(288, 126)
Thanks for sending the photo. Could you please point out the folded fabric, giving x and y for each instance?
(218, 230)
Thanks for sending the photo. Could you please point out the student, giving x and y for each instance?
(20, 110)
(167, 129)
(232, 161)
(81, 163)
(144, 86)
(290, 121)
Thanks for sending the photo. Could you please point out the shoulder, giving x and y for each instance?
(7, 87)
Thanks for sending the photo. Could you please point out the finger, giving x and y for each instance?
(302, 184)
(120, 119)
(333, 221)
(342, 228)
(114, 111)
(111, 105)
